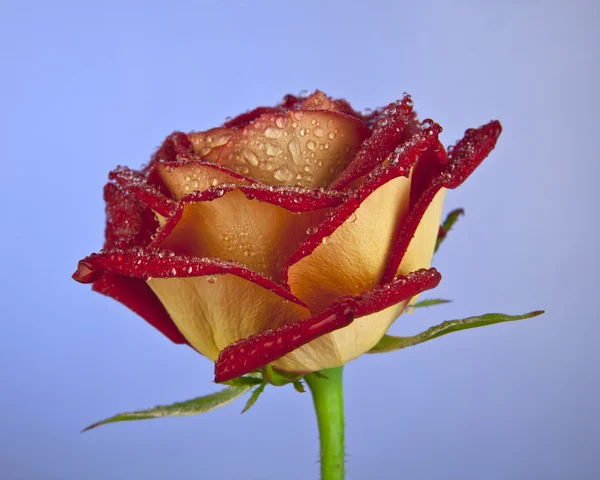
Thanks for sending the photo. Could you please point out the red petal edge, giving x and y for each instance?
(463, 159)
(145, 264)
(252, 353)
(386, 136)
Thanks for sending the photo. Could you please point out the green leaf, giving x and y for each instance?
(254, 397)
(451, 219)
(430, 302)
(299, 387)
(195, 406)
(390, 343)
(244, 381)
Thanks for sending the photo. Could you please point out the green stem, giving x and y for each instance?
(328, 398)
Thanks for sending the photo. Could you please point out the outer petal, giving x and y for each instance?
(464, 158)
(257, 351)
(302, 147)
(130, 223)
(197, 293)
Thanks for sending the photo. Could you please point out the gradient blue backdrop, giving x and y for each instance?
(89, 85)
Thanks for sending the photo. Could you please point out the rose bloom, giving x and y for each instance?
(292, 235)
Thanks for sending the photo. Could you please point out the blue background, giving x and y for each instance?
(89, 85)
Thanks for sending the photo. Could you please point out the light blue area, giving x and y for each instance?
(90, 85)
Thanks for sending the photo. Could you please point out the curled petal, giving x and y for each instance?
(302, 147)
(462, 161)
(137, 185)
(145, 264)
(387, 135)
(259, 350)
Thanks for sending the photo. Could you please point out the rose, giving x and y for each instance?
(293, 235)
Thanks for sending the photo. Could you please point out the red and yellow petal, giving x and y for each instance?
(348, 252)
(280, 343)
(302, 147)
(197, 293)
(210, 143)
(222, 222)
(463, 159)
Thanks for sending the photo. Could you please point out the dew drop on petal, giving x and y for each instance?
(311, 145)
(326, 240)
(271, 132)
(351, 218)
(311, 230)
(250, 157)
(211, 278)
(294, 148)
(283, 174)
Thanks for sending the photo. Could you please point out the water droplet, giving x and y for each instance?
(211, 278)
(326, 240)
(222, 140)
(283, 174)
(331, 135)
(272, 133)
(250, 157)
(311, 230)
(271, 150)
(187, 178)
(351, 218)
(307, 168)
(319, 132)
(294, 148)
(281, 122)
(311, 145)
(195, 184)
(173, 272)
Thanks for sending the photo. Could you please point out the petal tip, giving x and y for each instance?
(85, 273)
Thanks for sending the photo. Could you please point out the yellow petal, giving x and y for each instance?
(420, 250)
(304, 148)
(212, 312)
(210, 143)
(353, 258)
